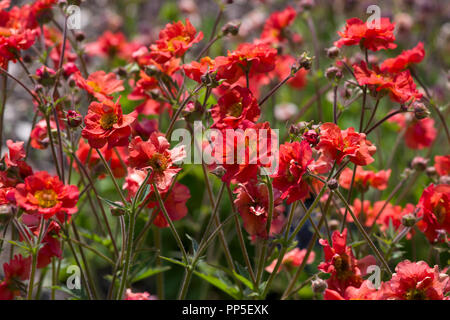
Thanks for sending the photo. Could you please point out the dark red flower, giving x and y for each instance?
(434, 207)
(357, 32)
(234, 108)
(105, 124)
(46, 195)
(336, 144)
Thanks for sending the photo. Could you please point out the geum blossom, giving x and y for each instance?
(195, 70)
(294, 159)
(404, 60)
(415, 281)
(364, 179)
(99, 84)
(15, 271)
(111, 44)
(174, 40)
(419, 134)
(242, 152)
(357, 32)
(434, 209)
(236, 107)
(275, 28)
(247, 58)
(336, 144)
(155, 155)
(46, 195)
(400, 86)
(107, 125)
(292, 259)
(252, 203)
(341, 264)
(365, 292)
(442, 165)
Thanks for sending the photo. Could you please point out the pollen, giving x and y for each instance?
(47, 198)
(108, 120)
(159, 162)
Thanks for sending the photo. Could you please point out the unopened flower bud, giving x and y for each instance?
(80, 36)
(209, 79)
(333, 52)
(318, 285)
(431, 172)
(420, 111)
(74, 119)
(312, 137)
(121, 72)
(333, 224)
(333, 73)
(444, 180)
(333, 184)
(306, 4)
(305, 61)
(231, 28)
(117, 211)
(45, 76)
(295, 129)
(219, 171)
(38, 88)
(419, 163)
(27, 58)
(409, 220)
(151, 71)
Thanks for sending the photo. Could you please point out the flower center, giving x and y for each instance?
(108, 120)
(342, 266)
(5, 32)
(415, 294)
(94, 85)
(235, 110)
(440, 211)
(158, 162)
(180, 38)
(47, 198)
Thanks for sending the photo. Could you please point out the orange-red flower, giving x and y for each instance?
(274, 30)
(357, 32)
(248, 57)
(235, 107)
(419, 134)
(195, 70)
(404, 60)
(415, 281)
(365, 292)
(155, 154)
(46, 195)
(292, 259)
(336, 144)
(100, 84)
(364, 179)
(294, 160)
(434, 207)
(442, 165)
(111, 44)
(174, 40)
(16, 270)
(400, 86)
(252, 203)
(129, 295)
(340, 262)
(105, 124)
(283, 68)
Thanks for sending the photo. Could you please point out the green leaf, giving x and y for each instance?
(231, 290)
(148, 273)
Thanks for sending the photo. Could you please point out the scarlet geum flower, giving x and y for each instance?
(99, 84)
(404, 60)
(442, 165)
(292, 259)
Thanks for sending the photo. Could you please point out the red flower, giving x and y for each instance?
(357, 32)
(46, 195)
(404, 60)
(155, 154)
(18, 268)
(242, 152)
(235, 107)
(16, 153)
(283, 68)
(336, 144)
(442, 165)
(434, 207)
(99, 84)
(252, 203)
(340, 262)
(105, 124)
(391, 215)
(111, 44)
(415, 281)
(293, 258)
(419, 134)
(400, 86)
(174, 40)
(90, 158)
(364, 179)
(195, 70)
(248, 57)
(129, 295)
(294, 160)
(365, 292)
(274, 28)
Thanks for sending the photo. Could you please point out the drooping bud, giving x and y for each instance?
(333, 52)
(431, 172)
(444, 180)
(419, 163)
(409, 220)
(420, 111)
(312, 137)
(80, 36)
(117, 211)
(231, 28)
(219, 171)
(333, 224)
(318, 285)
(333, 184)
(151, 71)
(305, 61)
(45, 76)
(74, 119)
(333, 73)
